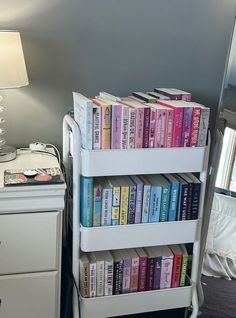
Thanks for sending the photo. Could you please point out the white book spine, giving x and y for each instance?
(92, 280)
(108, 278)
(166, 272)
(131, 128)
(97, 122)
(203, 126)
(100, 278)
(106, 207)
(124, 127)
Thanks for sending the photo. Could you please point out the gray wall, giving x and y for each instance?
(113, 45)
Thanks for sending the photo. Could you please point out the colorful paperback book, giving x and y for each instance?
(183, 199)
(145, 97)
(152, 128)
(166, 268)
(203, 126)
(158, 252)
(177, 263)
(190, 194)
(124, 127)
(195, 124)
(86, 200)
(99, 256)
(196, 192)
(171, 93)
(131, 128)
(146, 199)
(184, 265)
(110, 97)
(118, 272)
(139, 198)
(116, 126)
(127, 263)
(187, 126)
(123, 182)
(142, 278)
(116, 193)
(108, 273)
(158, 96)
(92, 275)
(159, 140)
(106, 122)
(132, 201)
(134, 270)
(97, 125)
(83, 112)
(155, 199)
(106, 202)
(150, 267)
(84, 276)
(174, 195)
(97, 202)
(186, 96)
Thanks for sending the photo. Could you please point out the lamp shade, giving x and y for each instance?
(13, 71)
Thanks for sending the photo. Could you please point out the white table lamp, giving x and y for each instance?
(13, 74)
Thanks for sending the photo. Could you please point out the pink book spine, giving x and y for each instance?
(116, 126)
(134, 275)
(159, 115)
(131, 128)
(163, 129)
(152, 127)
(169, 127)
(166, 271)
(187, 97)
(146, 126)
(124, 127)
(177, 127)
(142, 273)
(195, 126)
(139, 127)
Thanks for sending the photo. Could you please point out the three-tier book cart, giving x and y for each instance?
(94, 163)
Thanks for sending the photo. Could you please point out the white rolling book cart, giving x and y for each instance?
(92, 163)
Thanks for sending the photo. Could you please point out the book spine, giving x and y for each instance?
(183, 203)
(195, 126)
(165, 197)
(124, 127)
(146, 124)
(92, 280)
(116, 126)
(124, 205)
(139, 122)
(142, 280)
(155, 204)
(169, 127)
(131, 211)
(108, 278)
(150, 273)
(131, 128)
(97, 205)
(159, 116)
(86, 201)
(84, 279)
(166, 272)
(152, 128)
(174, 194)
(134, 275)
(203, 126)
(116, 196)
(171, 95)
(146, 203)
(163, 129)
(138, 204)
(190, 197)
(97, 123)
(126, 275)
(100, 278)
(195, 200)
(177, 262)
(106, 207)
(183, 270)
(187, 124)
(187, 97)
(157, 272)
(177, 127)
(106, 126)
(115, 215)
(117, 277)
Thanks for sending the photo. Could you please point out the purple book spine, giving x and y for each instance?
(150, 273)
(146, 126)
(139, 203)
(157, 272)
(116, 126)
(142, 279)
(187, 126)
(126, 275)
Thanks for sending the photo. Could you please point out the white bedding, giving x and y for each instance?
(220, 253)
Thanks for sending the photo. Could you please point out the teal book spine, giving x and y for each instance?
(86, 201)
(165, 197)
(173, 206)
(97, 205)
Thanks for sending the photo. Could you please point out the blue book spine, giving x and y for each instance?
(165, 198)
(146, 203)
(86, 201)
(183, 203)
(155, 204)
(173, 206)
(195, 200)
(97, 205)
(157, 272)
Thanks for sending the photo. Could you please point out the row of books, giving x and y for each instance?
(120, 200)
(106, 273)
(162, 118)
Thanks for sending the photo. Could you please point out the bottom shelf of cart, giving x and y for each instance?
(117, 305)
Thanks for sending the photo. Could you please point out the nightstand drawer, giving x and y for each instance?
(29, 295)
(30, 242)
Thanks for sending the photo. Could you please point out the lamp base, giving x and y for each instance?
(7, 153)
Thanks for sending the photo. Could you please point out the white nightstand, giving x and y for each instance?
(30, 243)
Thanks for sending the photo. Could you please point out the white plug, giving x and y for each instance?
(37, 146)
